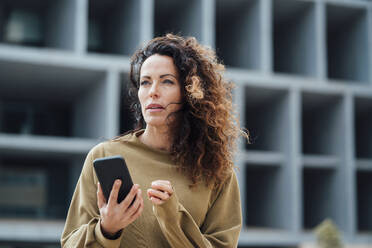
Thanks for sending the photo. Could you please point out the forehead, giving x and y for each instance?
(156, 65)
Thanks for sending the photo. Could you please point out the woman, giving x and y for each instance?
(180, 152)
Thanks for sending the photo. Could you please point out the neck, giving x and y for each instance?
(156, 137)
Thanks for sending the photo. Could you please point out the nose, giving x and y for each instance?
(154, 90)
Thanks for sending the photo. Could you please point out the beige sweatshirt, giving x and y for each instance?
(196, 217)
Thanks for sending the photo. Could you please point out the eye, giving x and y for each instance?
(144, 82)
(167, 81)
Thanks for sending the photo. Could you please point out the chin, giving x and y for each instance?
(155, 121)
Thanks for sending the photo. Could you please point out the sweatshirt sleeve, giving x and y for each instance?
(221, 227)
(82, 227)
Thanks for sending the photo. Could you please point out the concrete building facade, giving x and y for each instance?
(302, 70)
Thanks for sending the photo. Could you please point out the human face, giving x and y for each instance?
(160, 90)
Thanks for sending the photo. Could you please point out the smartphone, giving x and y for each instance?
(108, 169)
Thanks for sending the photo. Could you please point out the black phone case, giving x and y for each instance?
(108, 169)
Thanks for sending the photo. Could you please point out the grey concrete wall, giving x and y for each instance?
(302, 70)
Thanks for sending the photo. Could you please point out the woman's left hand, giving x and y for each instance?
(160, 191)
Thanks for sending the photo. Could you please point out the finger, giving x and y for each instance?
(158, 194)
(138, 212)
(136, 204)
(156, 201)
(162, 187)
(163, 182)
(100, 197)
(113, 199)
(129, 198)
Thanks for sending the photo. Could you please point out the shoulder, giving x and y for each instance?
(230, 176)
(111, 147)
(98, 150)
(103, 149)
(229, 182)
(226, 191)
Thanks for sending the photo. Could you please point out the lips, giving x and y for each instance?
(154, 106)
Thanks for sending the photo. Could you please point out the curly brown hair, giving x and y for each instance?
(205, 133)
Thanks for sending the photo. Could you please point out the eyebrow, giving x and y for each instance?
(161, 76)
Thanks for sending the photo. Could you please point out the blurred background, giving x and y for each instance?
(302, 70)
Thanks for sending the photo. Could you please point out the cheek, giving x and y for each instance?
(176, 94)
(141, 101)
(140, 96)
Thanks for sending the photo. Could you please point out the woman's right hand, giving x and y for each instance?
(116, 216)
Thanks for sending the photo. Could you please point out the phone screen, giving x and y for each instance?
(108, 169)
